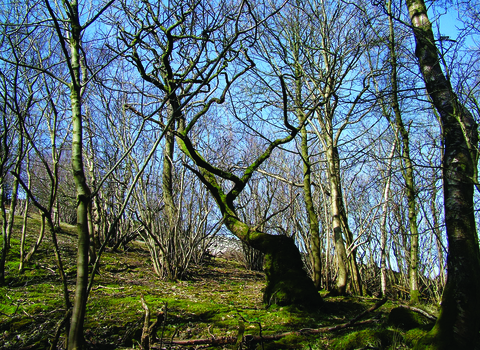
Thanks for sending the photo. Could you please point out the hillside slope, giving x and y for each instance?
(219, 300)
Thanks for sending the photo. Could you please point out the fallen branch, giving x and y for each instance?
(256, 338)
(100, 286)
(420, 311)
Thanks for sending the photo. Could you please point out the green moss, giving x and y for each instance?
(367, 337)
(289, 342)
(414, 335)
(407, 319)
(414, 297)
(18, 325)
(212, 303)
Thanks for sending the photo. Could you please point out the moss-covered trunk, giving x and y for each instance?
(287, 281)
(167, 179)
(458, 325)
(169, 268)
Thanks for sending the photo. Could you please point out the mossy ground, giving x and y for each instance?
(213, 301)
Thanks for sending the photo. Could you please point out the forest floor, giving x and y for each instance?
(220, 301)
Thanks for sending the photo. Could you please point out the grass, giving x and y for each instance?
(215, 301)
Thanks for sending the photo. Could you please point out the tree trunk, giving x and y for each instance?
(287, 282)
(41, 234)
(356, 280)
(438, 239)
(3, 255)
(167, 179)
(75, 337)
(311, 214)
(347, 265)
(328, 257)
(8, 221)
(383, 223)
(458, 325)
(313, 225)
(13, 203)
(168, 262)
(407, 167)
(25, 219)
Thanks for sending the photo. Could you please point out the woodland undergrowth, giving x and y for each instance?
(218, 306)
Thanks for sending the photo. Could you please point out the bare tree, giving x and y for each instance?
(65, 20)
(458, 325)
(332, 58)
(190, 64)
(17, 93)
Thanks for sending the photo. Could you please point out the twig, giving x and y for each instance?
(48, 268)
(208, 330)
(248, 338)
(100, 286)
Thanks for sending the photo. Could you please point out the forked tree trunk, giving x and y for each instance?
(347, 264)
(458, 325)
(287, 281)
